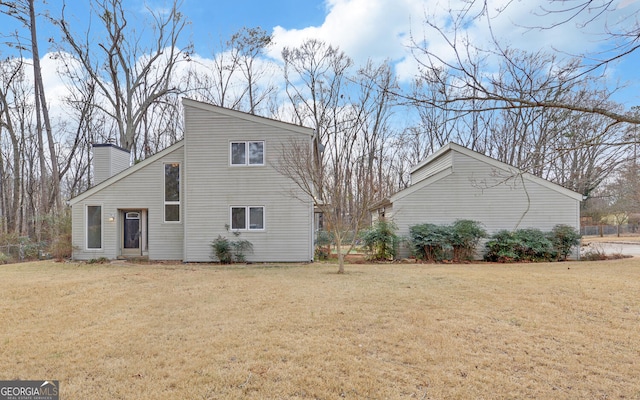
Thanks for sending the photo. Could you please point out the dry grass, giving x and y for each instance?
(564, 330)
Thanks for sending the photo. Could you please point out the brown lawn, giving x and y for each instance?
(544, 331)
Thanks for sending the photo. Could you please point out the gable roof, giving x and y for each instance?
(126, 172)
(450, 147)
(202, 106)
(247, 117)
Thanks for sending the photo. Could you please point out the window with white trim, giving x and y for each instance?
(247, 153)
(172, 192)
(94, 227)
(247, 218)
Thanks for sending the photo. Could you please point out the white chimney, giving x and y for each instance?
(108, 160)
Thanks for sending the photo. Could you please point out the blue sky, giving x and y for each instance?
(223, 17)
(376, 29)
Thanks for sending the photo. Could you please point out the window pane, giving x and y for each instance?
(172, 182)
(172, 212)
(256, 153)
(238, 154)
(256, 218)
(238, 218)
(94, 227)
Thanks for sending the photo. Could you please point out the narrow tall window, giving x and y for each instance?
(172, 192)
(247, 153)
(94, 227)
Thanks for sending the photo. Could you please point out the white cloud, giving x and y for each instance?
(376, 29)
(382, 29)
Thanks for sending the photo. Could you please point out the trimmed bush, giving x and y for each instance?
(522, 245)
(437, 243)
(502, 247)
(465, 237)
(430, 242)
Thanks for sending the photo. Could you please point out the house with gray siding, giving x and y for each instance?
(219, 180)
(458, 183)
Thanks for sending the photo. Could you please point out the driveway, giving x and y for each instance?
(614, 247)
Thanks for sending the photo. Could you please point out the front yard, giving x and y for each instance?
(196, 331)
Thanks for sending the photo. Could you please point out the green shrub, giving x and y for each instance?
(239, 248)
(564, 238)
(222, 249)
(465, 236)
(457, 242)
(431, 242)
(502, 247)
(536, 245)
(520, 246)
(381, 240)
(228, 251)
(4, 259)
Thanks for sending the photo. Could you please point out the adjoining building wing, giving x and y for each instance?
(458, 183)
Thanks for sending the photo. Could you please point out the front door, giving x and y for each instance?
(131, 234)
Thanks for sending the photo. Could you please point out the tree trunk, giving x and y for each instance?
(50, 198)
(339, 253)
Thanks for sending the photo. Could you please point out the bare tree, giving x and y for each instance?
(528, 110)
(344, 170)
(494, 91)
(129, 77)
(376, 86)
(238, 76)
(250, 44)
(85, 124)
(12, 93)
(24, 11)
(214, 81)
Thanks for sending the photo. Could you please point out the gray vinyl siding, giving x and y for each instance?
(143, 189)
(108, 161)
(101, 165)
(214, 186)
(478, 191)
(431, 168)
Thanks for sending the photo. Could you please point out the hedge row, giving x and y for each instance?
(458, 242)
(532, 245)
(455, 242)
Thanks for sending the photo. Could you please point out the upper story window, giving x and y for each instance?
(247, 153)
(172, 192)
